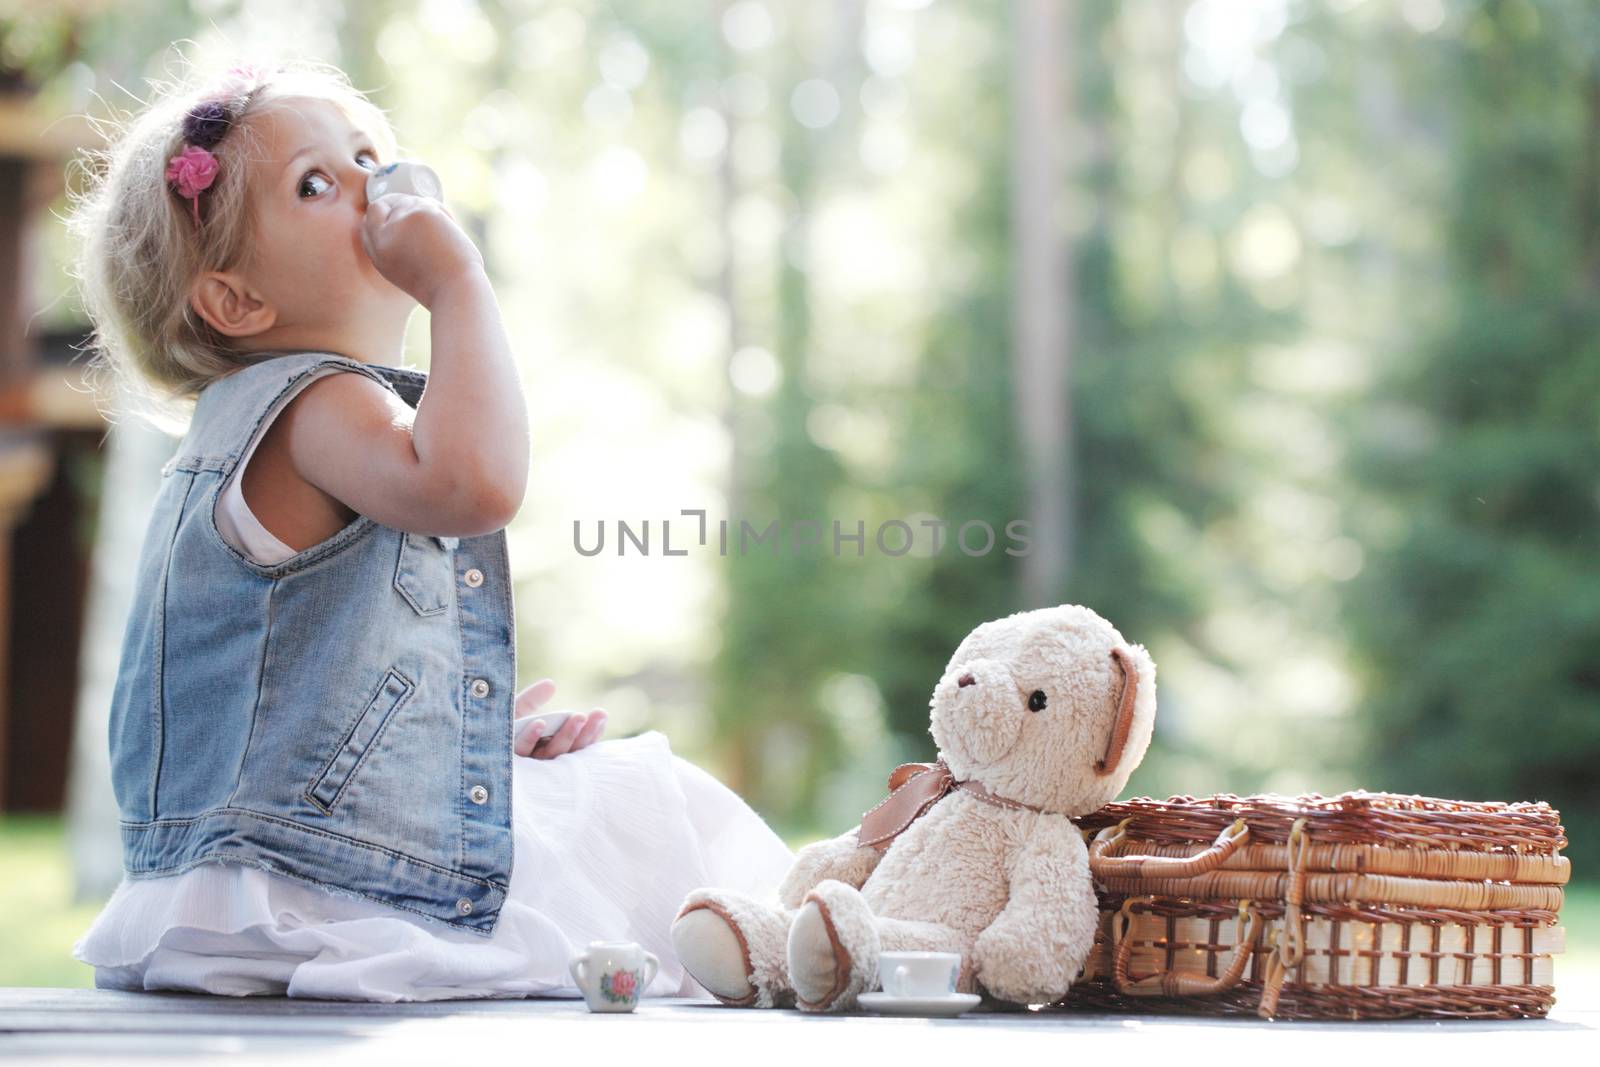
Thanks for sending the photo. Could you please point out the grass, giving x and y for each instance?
(39, 922)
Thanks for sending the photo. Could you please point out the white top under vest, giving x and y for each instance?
(238, 524)
(607, 842)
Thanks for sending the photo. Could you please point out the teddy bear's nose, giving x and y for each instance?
(965, 680)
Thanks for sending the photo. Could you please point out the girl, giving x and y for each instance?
(311, 726)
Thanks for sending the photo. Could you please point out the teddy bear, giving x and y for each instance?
(1038, 717)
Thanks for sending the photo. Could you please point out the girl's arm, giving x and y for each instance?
(472, 418)
(352, 438)
(457, 466)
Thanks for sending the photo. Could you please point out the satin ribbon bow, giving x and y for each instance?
(913, 789)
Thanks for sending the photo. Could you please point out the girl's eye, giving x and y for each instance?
(1036, 701)
(318, 174)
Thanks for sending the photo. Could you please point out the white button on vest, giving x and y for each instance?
(464, 906)
(474, 577)
(478, 794)
(480, 688)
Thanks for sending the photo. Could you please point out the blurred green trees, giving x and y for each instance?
(1477, 619)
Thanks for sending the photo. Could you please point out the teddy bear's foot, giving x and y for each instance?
(733, 947)
(833, 948)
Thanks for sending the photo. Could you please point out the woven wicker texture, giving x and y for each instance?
(1358, 906)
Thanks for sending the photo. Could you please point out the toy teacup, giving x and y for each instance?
(612, 974)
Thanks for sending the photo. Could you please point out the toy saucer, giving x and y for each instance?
(947, 1005)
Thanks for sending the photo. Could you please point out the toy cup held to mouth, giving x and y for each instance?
(418, 179)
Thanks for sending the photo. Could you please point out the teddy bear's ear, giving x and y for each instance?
(1123, 724)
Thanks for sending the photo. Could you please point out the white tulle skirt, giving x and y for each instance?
(607, 842)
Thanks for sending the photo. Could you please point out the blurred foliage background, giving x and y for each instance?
(1329, 288)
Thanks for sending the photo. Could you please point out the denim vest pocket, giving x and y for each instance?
(328, 786)
(425, 574)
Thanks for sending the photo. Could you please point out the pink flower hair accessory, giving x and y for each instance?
(193, 169)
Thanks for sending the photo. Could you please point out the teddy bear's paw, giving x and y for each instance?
(734, 948)
(1010, 976)
(842, 858)
(833, 948)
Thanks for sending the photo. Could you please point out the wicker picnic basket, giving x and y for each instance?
(1359, 906)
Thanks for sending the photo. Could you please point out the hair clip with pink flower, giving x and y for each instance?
(194, 168)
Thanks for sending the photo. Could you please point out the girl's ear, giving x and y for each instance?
(233, 310)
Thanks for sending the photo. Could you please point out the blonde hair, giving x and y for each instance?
(138, 251)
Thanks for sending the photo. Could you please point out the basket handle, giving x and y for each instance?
(1105, 865)
(1170, 983)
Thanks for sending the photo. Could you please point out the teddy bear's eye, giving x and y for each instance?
(1036, 701)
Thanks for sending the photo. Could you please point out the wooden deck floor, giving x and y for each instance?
(66, 1025)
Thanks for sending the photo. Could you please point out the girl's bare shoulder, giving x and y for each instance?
(350, 436)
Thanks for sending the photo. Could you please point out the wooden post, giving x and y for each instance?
(34, 149)
(1042, 291)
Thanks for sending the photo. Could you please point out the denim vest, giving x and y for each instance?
(342, 717)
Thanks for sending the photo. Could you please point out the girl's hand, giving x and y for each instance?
(416, 243)
(579, 731)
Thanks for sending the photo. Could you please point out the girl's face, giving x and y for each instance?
(308, 195)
